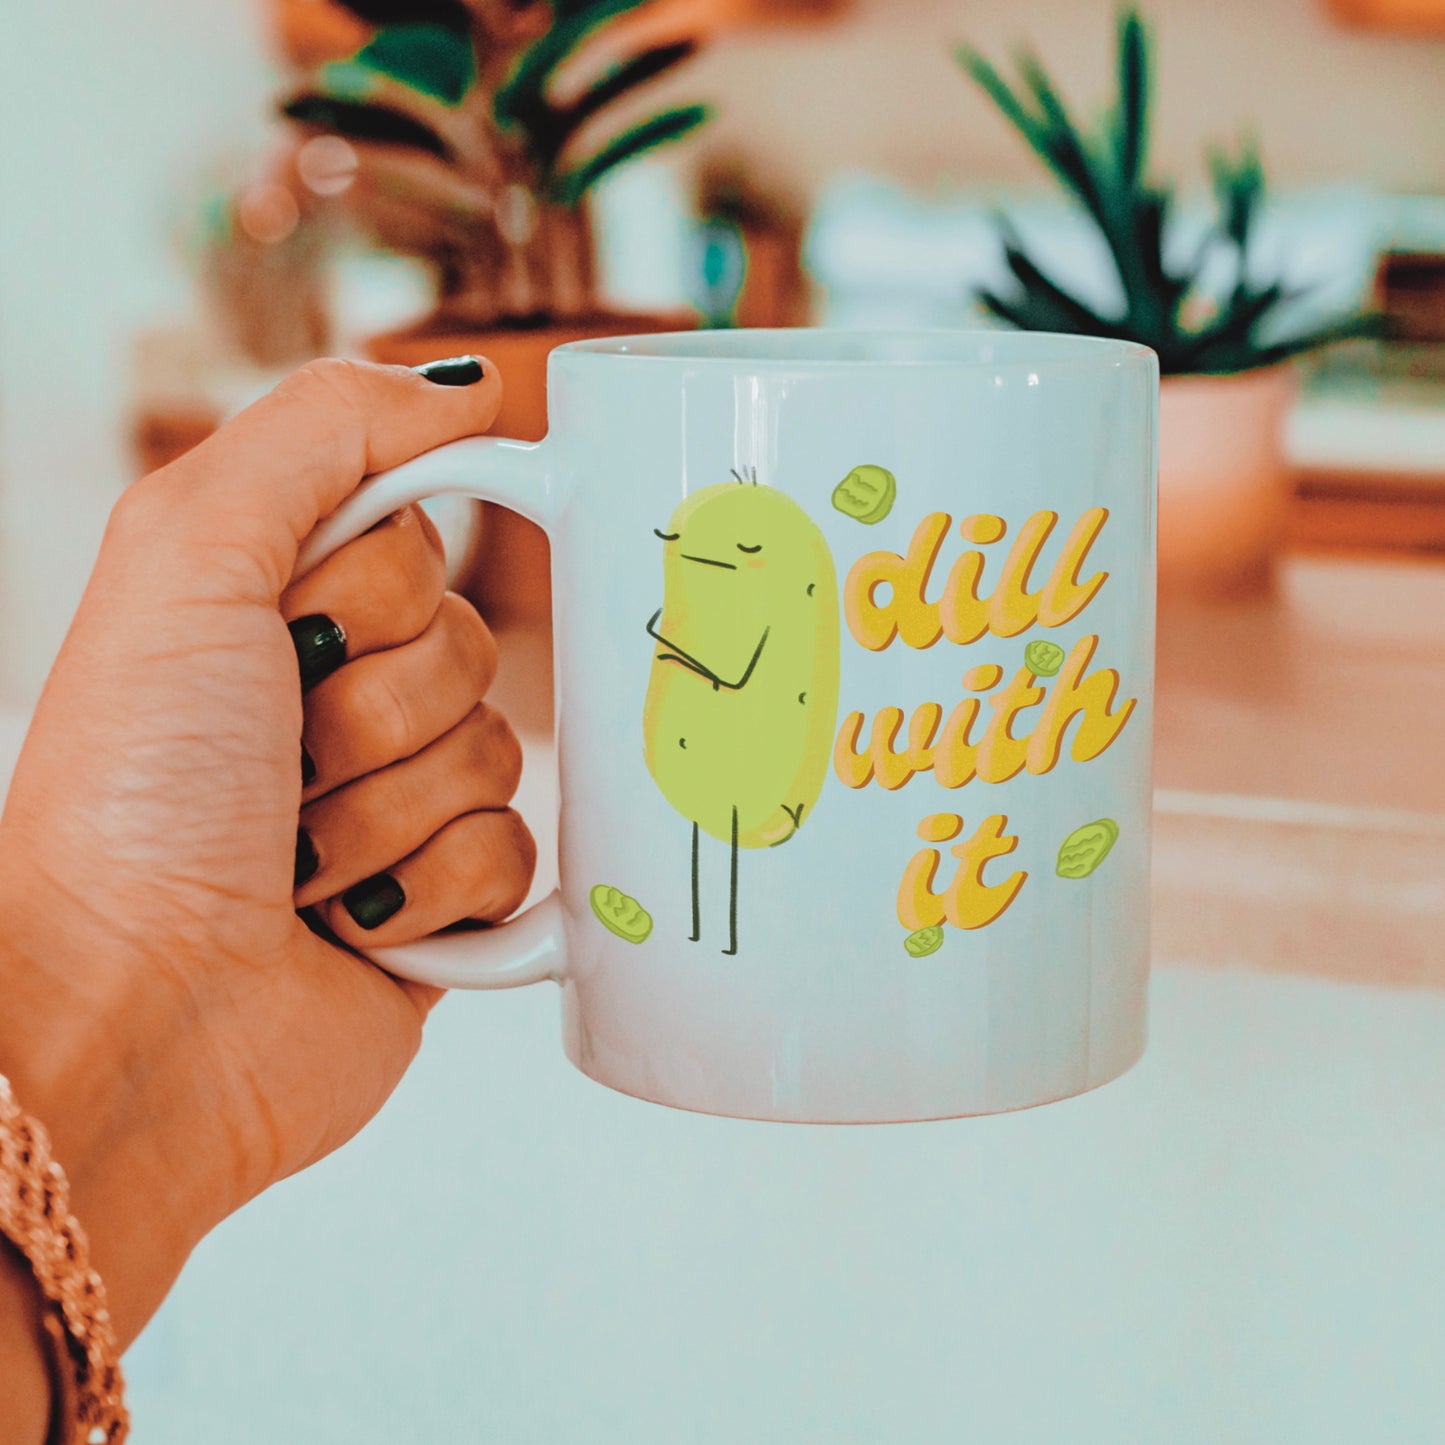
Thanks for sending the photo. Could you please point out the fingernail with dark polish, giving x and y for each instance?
(454, 371)
(308, 768)
(320, 648)
(306, 860)
(372, 901)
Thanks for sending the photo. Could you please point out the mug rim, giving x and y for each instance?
(809, 347)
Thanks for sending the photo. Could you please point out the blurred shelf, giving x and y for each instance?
(1394, 430)
(1414, 17)
(1300, 811)
(1366, 440)
(1329, 692)
(1368, 514)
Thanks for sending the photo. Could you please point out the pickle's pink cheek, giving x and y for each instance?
(756, 563)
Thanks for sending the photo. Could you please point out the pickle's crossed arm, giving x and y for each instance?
(701, 668)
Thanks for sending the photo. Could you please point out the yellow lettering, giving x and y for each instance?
(962, 613)
(1012, 608)
(906, 614)
(940, 827)
(1000, 755)
(967, 902)
(1087, 698)
(854, 769)
(883, 762)
(1064, 597)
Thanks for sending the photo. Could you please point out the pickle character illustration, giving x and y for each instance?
(621, 914)
(1044, 658)
(923, 941)
(738, 720)
(866, 494)
(1085, 848)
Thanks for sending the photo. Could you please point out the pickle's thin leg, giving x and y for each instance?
(733, 891)
(696, 910)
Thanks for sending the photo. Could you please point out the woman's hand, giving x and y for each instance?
(184, 1035)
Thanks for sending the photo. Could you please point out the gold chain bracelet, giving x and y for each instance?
(89, 1405)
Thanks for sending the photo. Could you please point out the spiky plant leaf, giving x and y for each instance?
(670, 125)
(1191, 351)
(1066, 312)
(1149, 217)
(1022, 312)
(1105, 169)
(1065, 146)
(986, 76)
(1238, 189)
(1132, 114)
(1045, 123)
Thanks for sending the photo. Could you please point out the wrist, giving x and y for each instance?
(99, 1058)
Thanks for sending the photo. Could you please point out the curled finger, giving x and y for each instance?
(479, 866)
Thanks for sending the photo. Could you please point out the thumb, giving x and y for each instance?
(262, 481)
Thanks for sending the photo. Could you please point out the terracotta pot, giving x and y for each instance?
(1223, 481)
(506, 571)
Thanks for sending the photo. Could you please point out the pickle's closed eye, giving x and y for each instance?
(758, 548)
(666, 536)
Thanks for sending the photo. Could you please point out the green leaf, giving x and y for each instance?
(985, 75)
(1132, 125)
(523, 99)
(1052, 134)
(1031, 312)
(1238, 190)
(1065, 151)
(561, 125)
(1149, 221)
(1232, 329)
(671, 125)
(1016, 313)
(374, 123)
(1045, 297)
(429, 58)
(1105, 170)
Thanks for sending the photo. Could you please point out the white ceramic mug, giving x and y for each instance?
(854, 663)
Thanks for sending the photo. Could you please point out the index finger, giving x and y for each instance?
(266, 478)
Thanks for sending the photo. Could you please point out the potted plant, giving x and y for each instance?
(1223, 483)
(470, 141)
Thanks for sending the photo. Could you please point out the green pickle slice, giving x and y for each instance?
(923, 941)
(1085, 848)
(1043, 658)
(866, 494)
(620, 914)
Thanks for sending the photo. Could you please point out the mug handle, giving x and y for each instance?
(529, 947)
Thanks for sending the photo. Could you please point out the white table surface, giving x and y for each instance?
(1238, 1242)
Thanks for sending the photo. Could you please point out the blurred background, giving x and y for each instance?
(1238, 1242)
